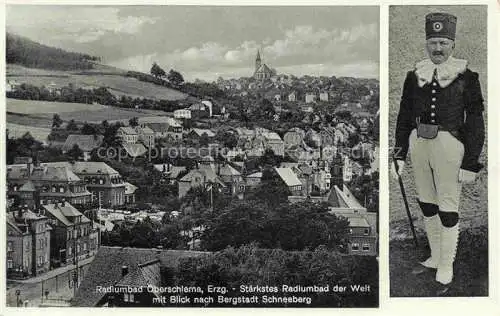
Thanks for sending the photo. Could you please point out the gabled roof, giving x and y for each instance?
(228, 170)
(255, 175)
(134, 150)
(62, 213)
(200, 132)
(146, 274)
(106, 268)
(85, 142)
(288, 176)
(145, 130)
(127, 130)
(159, 127)
(129, 188)
(264, 68)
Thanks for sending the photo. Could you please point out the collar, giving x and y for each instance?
(446, 72)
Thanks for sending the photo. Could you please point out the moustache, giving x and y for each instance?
(437, 54)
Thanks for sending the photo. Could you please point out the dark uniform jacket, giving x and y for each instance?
(457, 108)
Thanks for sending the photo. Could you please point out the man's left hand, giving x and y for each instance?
(466, 176)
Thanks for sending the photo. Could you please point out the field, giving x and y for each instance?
(25, 114)
(102, 76)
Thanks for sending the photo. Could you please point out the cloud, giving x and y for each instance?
(301, 50)
(86, 24)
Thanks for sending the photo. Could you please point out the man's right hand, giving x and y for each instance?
(401, 167)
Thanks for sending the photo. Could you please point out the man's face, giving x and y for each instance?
(439, 49)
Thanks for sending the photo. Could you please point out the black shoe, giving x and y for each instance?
(443, 289)
(420, 268)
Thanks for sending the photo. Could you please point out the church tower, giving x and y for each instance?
(258, 61)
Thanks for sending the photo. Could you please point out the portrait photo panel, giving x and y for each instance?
(438, 99)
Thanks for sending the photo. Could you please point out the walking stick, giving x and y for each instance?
(403, 193)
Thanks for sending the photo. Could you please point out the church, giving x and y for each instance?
(262, 71)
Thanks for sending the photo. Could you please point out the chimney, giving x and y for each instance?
(20, 212)
(124, 270)
(63, 202)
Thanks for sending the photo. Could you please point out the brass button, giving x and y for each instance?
(433, 91)
(433, 121)
(433, 114)
(434, 84)
(433, 106)
(433, 99)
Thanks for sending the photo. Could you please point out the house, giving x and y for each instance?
(28, 243)
(323, 96)
(202, 176)
(86, 143)
(253, 180)
(232, 179)
(73, 236)
(292, 97)
(116, 268)
(310, 97)
(291, 180)
(53, 182)
(171, 129)
(169, 172)
(146, 135)
(273, 141)
(128, 135)
(363, 225)
(182, 114)
(196, 134)
(294, 136)
(105, 183)
(130, 193)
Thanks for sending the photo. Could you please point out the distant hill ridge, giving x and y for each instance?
(28, 53)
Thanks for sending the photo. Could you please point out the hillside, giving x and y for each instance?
(40, 65)
(22, 51)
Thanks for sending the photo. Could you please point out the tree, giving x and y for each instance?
(56, 121)
(72, 126)
(157, 71)
(75, 152)
(88, 129)
(204, 140)
(175, 77)
(133, 122)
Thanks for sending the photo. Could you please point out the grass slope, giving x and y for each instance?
(102, 76)
(471, 267)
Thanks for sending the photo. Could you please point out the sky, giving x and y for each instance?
(206, 42)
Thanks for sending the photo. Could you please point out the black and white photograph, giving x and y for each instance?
(438, 163)
(203, 156)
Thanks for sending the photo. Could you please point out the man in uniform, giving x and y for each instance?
(440, 123)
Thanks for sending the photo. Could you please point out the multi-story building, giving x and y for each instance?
(79, 182)
(28, 243)
(52, 181)
(73, 237)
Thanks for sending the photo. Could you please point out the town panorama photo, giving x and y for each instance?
(192, 156)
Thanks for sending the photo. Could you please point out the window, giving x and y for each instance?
(355, 246)
(54, 189)
(9, 246)
(367, 231)
(61, 189)
(366, 247)
(84, 246)
(10, 264)
(128, 297)
(101, 181)
(70, 250)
